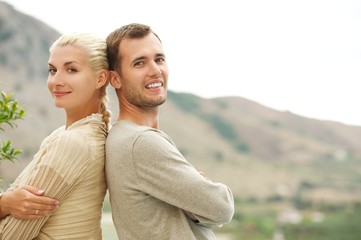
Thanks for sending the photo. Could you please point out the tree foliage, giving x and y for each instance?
(10, 112)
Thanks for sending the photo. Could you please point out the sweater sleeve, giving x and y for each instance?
(58, 169)
(168, 176)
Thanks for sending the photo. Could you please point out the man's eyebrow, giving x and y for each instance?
(143, 57)
(138, 59)
(160, 55)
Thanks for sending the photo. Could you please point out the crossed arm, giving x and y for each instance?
(56, 175)
(168, 176)
(26, 203)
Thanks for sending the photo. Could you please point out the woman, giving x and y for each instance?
(69, 165)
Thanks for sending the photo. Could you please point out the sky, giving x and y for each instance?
(302, 56)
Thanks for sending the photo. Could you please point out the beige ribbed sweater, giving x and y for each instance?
(151, 183)
(69, 166)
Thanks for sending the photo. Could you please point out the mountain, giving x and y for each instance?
(254, 149)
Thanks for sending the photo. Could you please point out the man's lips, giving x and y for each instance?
(154, 85)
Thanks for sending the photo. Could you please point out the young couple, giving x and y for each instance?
(155, 192)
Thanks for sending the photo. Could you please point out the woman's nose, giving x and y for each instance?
(57, 78)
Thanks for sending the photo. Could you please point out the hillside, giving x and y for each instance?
(252, 148)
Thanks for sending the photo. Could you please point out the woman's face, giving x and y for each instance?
(71, 81)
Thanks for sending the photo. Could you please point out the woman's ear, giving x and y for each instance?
(114, 79)
(102, 78)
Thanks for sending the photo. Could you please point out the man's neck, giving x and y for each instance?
(150, 119)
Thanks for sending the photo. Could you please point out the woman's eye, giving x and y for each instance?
(52, 70)
(72, 70)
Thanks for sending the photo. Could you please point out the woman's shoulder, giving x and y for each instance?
(76, 138)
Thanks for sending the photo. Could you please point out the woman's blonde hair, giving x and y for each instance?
(96, 49)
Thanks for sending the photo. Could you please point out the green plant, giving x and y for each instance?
(10, 112)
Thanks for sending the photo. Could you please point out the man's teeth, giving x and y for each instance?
(154, 85)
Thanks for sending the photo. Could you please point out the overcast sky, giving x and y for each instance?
(303, 56)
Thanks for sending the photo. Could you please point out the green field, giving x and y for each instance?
(260, 222)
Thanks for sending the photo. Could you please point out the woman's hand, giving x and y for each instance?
(27, 203)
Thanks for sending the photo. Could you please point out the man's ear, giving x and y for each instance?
(114, 79)
(102, 78)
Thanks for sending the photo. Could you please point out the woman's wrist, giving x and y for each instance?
(2, 212)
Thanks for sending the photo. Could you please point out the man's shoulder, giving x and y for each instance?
(125, 131)
(129, 132)
(127, 128)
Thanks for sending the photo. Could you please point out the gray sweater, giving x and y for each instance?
(151, 185)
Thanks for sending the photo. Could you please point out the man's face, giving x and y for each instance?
(144, 72)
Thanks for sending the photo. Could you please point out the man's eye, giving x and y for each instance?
(160, 60)
(138, 64)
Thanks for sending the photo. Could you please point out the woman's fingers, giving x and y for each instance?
(27, 203)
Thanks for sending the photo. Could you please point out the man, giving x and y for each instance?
(154, 192)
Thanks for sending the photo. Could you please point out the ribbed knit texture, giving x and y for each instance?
(69, 166)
